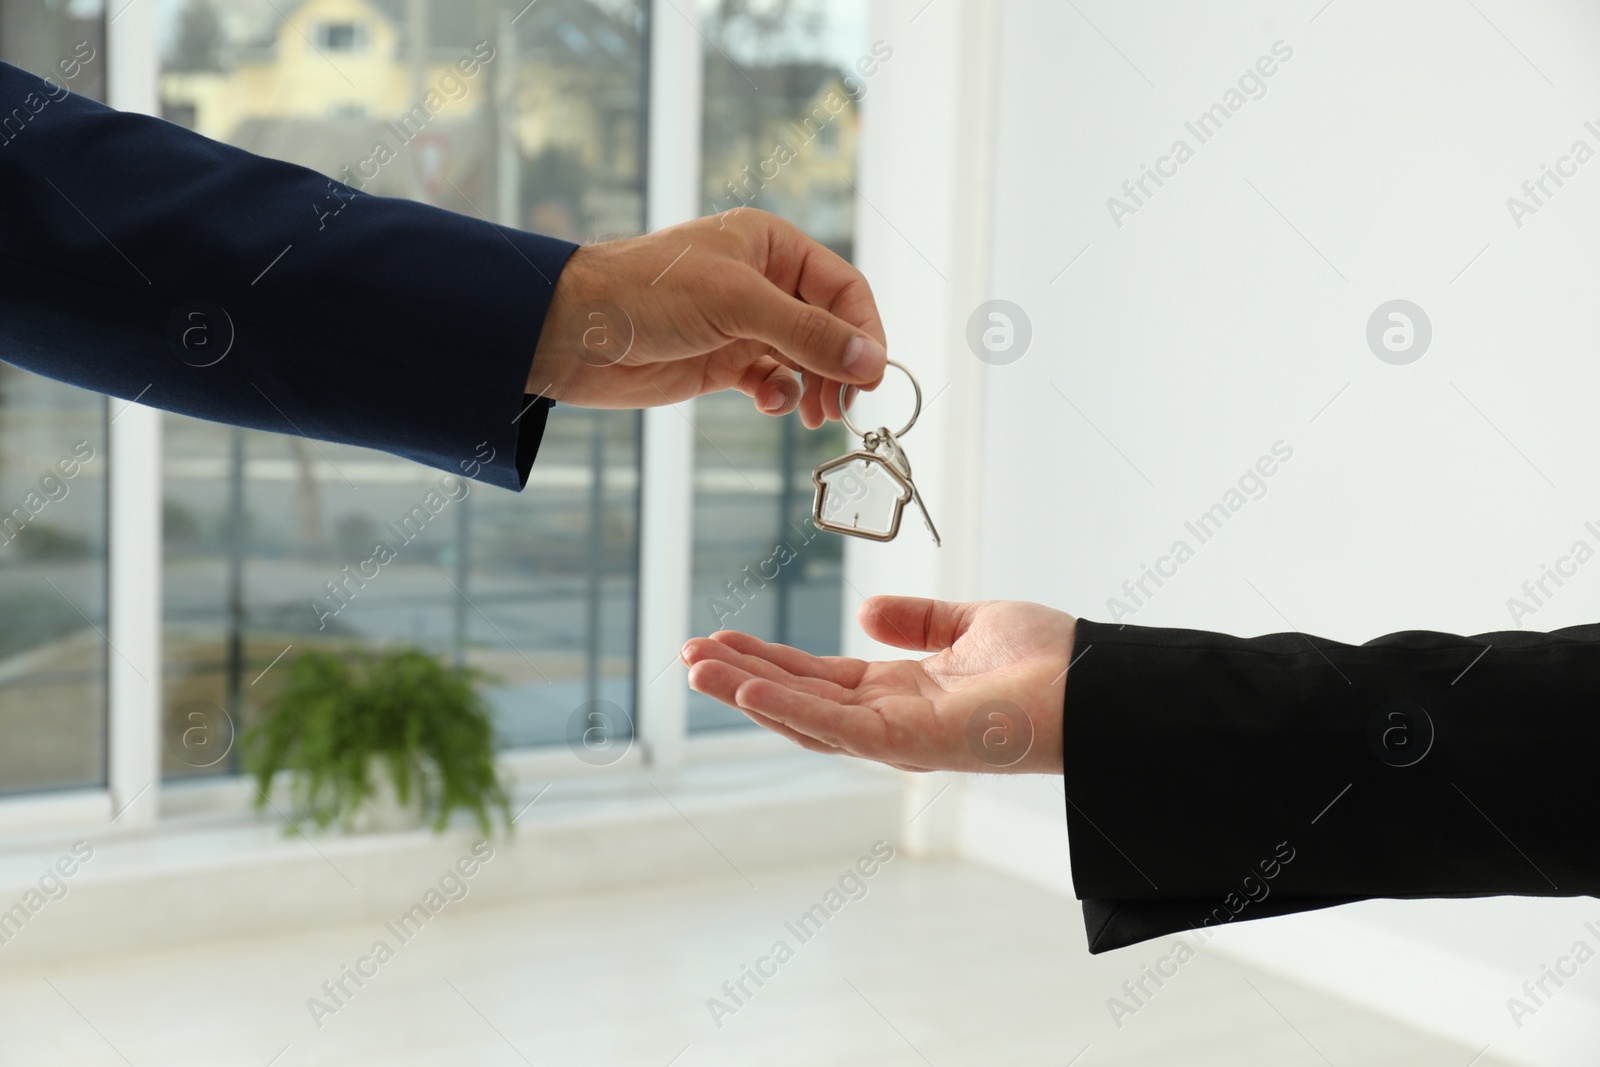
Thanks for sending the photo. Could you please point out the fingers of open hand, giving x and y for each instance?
(810, 744)
(808, 699)
(707, 651)
(916, 623)
(721, 680)
(855, 729)
(840, 670)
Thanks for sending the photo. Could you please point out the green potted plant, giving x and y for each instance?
(340, 720)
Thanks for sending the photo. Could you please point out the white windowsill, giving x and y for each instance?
(230, 873)
(89, 811)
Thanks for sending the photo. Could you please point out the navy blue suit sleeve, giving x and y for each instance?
(143, 260)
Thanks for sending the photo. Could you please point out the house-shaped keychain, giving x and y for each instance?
(863, 493)
(860, 493)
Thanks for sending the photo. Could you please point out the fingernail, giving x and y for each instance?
(864, 357)
(773, 398)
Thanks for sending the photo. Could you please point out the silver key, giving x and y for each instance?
(862, 493)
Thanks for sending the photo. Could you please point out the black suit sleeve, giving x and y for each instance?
(142, 260)
(1214, 779)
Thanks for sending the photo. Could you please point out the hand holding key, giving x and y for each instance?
(739, 301)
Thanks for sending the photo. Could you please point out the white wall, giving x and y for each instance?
(1224, 316)
(1205, 328)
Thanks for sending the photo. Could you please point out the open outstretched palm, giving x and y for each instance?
(988, 699)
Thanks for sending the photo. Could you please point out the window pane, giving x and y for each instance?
(268, 537)
(62, 41)
(782, 84)
(52, 498)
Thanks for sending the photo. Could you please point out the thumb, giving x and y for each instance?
(913, 622)
(809, 336)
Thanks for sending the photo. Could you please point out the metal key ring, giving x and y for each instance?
(844, 414)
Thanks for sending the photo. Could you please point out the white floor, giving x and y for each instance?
(938, 964)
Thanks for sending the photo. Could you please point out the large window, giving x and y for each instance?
(782, 93)
(53, 462)
(539, 588)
